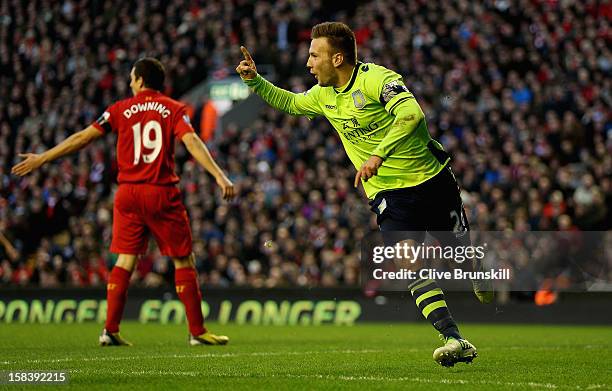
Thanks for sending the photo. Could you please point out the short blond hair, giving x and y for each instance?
(340, 37)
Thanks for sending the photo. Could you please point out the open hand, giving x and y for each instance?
(227, 187)
(32, 162)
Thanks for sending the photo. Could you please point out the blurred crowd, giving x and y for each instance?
(517, 91)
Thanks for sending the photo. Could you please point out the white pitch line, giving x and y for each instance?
(422, 380)
(356, 378)
(160, 372)
(547, 347)
(205, 355)
(116, 371)
(223, 355)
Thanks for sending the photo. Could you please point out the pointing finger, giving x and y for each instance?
(246, 54)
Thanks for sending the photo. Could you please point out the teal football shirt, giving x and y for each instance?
(364, 114)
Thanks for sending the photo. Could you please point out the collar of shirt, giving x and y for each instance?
(148, 92)
(349, 85)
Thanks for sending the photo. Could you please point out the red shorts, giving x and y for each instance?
(141, 209)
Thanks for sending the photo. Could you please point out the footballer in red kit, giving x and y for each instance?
(147, 201)
(146, 126)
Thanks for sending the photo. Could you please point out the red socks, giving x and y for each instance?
(116, 295)
(188, 290)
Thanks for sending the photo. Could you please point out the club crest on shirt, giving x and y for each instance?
(359, 99)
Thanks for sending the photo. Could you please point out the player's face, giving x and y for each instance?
(135, 84)
(320, 62)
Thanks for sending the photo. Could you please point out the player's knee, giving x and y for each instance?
(182, 262)
(405, 257)
(127, 261)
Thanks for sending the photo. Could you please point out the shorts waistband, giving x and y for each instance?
(445, 172)
(148, 184)
(148, 187)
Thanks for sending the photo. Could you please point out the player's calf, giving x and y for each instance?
(483, 288)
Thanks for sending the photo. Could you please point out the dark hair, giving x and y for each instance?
(340, 37)
(152, 72)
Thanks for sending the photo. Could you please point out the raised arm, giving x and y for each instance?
(198, 150)
(73, 143)
(306, 103)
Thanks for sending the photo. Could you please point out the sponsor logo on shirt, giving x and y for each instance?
(353, 132)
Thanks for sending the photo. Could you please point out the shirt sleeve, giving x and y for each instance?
(388, 88)
(106, 122)
(408, 118)
(183, 124)
(304, 103)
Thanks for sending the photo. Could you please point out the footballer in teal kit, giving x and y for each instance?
(405, 173)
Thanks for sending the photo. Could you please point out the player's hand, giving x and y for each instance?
(246, 69)
(227, 187)
(368, 169)
(32, 162)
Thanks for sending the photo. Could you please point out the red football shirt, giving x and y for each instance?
(146, 126)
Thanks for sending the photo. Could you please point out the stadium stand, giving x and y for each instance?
(517, 91)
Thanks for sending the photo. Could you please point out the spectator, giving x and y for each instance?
(517, 98)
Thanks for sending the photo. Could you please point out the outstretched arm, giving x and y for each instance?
(73, 143)
(198, 150)
(296, 104)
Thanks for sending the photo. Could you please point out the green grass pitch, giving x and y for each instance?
(366, 356)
